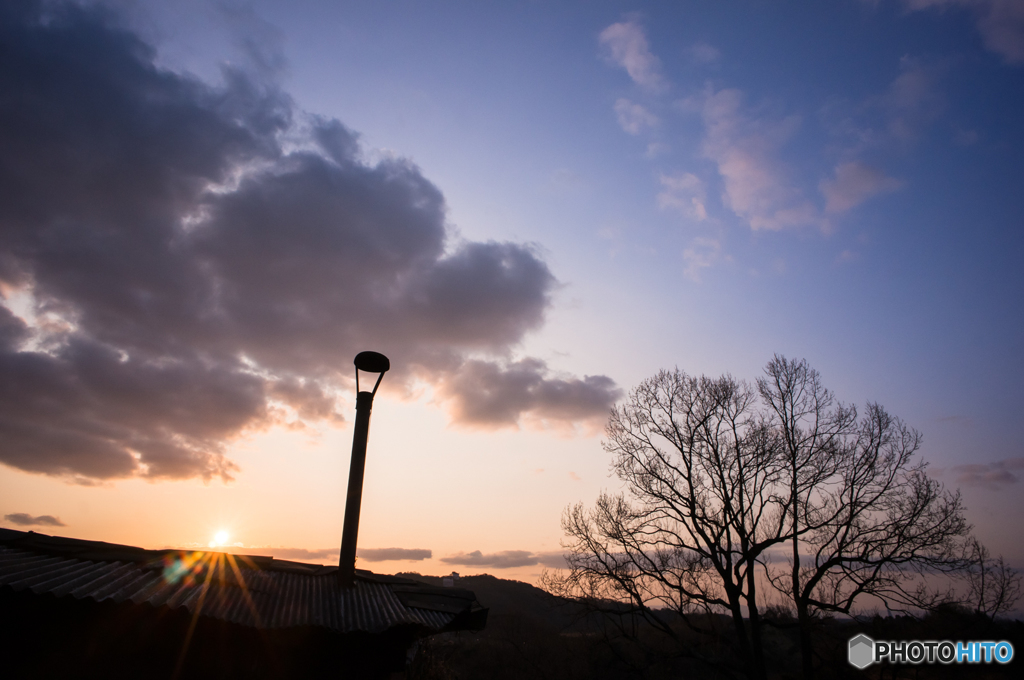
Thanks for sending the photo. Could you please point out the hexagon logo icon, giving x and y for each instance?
(862, 651)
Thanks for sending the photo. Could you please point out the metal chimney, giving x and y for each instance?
(370, 362)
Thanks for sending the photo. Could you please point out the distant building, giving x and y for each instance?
(78, 608)
(450, 581)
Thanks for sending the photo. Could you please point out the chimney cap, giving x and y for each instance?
(372, 362)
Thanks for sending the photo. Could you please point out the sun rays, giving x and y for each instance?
(200, 569)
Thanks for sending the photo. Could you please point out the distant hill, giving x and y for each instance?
(509, 598)
(531, 633)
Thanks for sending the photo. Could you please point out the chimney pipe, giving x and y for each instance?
(375, 363)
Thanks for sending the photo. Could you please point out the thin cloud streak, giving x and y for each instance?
(394, 554)
(994, 476)
(24, 519)
(506, 559)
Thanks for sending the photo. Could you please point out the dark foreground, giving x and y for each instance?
(532, 634)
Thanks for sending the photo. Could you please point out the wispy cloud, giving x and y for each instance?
(634, 118)
(684, 192)
(912, 99)
(26, 520)
(625, 45)
(506, 559)
(996, 475)
(655, 149)
(1000, 22)
(703, 253)
(896, 115)
(854, 183)
(705, 53)
(744, 147)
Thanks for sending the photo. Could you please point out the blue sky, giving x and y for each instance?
(707, 184)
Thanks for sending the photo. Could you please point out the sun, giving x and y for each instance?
(220, 539)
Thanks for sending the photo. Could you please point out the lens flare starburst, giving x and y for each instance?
(203, 570)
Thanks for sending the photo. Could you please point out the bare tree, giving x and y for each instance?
(721, 478)
(863, 517)
(698, 510)
(992, 587)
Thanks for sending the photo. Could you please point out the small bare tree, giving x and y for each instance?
(719, 477)
(993, 588)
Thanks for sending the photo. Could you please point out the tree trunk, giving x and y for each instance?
(806, 656)
(754, 672)
(760, 672)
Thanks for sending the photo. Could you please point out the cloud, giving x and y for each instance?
(855, 183)
(491, 395)
(634, 118)
(686, 193)
(912, 99)
(961, 421)
(323, 554)
(1000, 22)
(202, 261)
(507, 559)
(994, 476)
(705, 53)
(26, 520)
(895, 116)
(655, 149)
(744, 147)
(260, 42)
(703, 253)
(391, 554)
(626, 45)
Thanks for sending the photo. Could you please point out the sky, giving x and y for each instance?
(208, 208)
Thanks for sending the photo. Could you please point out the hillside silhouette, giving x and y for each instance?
(534, 634)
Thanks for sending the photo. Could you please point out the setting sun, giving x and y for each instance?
(220, 539)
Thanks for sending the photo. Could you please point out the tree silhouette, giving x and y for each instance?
(729, 489)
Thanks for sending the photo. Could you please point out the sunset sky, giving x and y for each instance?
(207, 208)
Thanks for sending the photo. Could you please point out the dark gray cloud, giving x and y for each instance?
(26, 520)
(494, 395)
(996, 475)
(200, 258)
(506, 559)
(389, 554)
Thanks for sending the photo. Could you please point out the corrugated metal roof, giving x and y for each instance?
(252, 591)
